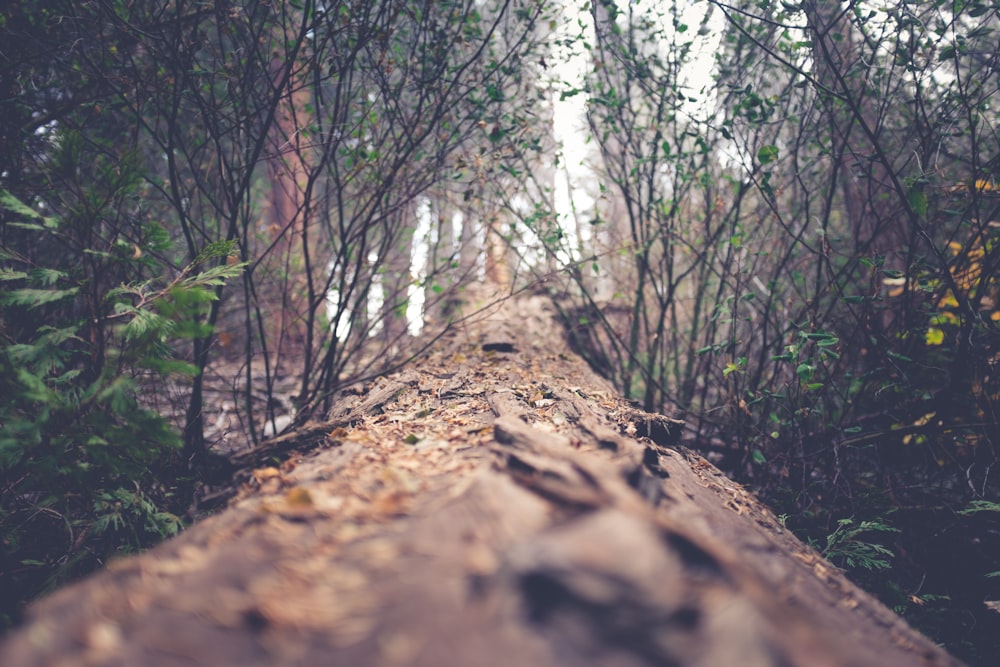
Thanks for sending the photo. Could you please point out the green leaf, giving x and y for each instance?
(15, 205)
(216, 249)
(26, 225)
(11, 274)
(33, 388)
(147, 324)
(978, 9)
(767, 154)
(33, 298)
(216, 276)
(734, 367)
(53, 336)
(977, 506)
(47, 277)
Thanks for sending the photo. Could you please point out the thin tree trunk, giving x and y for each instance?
(397, 262)
(288, 174)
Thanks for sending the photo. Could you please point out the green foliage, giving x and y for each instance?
(851, 545)
(977, 506)
(88, 471)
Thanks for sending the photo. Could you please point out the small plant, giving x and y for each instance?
(128, 511)
(977, 506)
(846, 547)
(86, 471)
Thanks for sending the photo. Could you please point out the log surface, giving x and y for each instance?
(494, 504)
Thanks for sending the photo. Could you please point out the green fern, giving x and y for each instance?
(977, 506)
(847, 548)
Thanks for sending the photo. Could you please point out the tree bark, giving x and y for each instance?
(494, 504)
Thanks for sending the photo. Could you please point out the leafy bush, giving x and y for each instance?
(87, 472)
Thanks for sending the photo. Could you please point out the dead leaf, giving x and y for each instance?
(298, 496)
(393, 503)
(264, 474)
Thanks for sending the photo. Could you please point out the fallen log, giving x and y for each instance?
(494, 504)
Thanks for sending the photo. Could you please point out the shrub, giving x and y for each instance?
(87, 472)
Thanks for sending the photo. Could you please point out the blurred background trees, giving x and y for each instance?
(777, 220)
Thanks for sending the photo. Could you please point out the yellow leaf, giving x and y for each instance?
(263, 474)
(934, 336)
(299, 496)
(948, 301)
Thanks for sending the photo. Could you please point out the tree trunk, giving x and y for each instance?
(396, 263)
(285, 291)
(494, 504)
